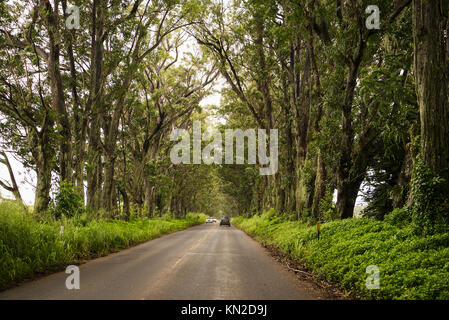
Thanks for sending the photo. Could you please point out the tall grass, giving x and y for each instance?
(411, 266)
(29, 247)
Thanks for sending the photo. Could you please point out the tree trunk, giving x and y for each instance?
(399, 198)
(109, 184)
(289, 202)
(79, 125)
(345, 205)
(94, 107)
(432, 80)
(126, 208)
(57, 94)
(44, 166)
(149, 203)
(347, 196)
(320, 186)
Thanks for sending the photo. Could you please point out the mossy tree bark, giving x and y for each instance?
(430, 24)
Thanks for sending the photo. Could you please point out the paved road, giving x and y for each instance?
(204, 262)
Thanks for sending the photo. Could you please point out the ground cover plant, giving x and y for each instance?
(411, 266)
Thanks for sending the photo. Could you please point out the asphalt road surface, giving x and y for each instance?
(206, 262)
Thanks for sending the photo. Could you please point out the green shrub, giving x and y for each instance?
(399, 217)
(431, 208)
(327, 207)
(68, 201)
(270, 214)
(167, 216)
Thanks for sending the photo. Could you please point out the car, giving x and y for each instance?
(225, 221)
(210, 220)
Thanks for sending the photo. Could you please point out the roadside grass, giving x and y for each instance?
(29, 247)
(411, 267)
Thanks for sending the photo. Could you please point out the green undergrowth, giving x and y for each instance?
(411, 266)
(29, 247)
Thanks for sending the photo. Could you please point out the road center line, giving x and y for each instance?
(195, 245)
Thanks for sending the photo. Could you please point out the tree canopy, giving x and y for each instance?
(91, 90)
